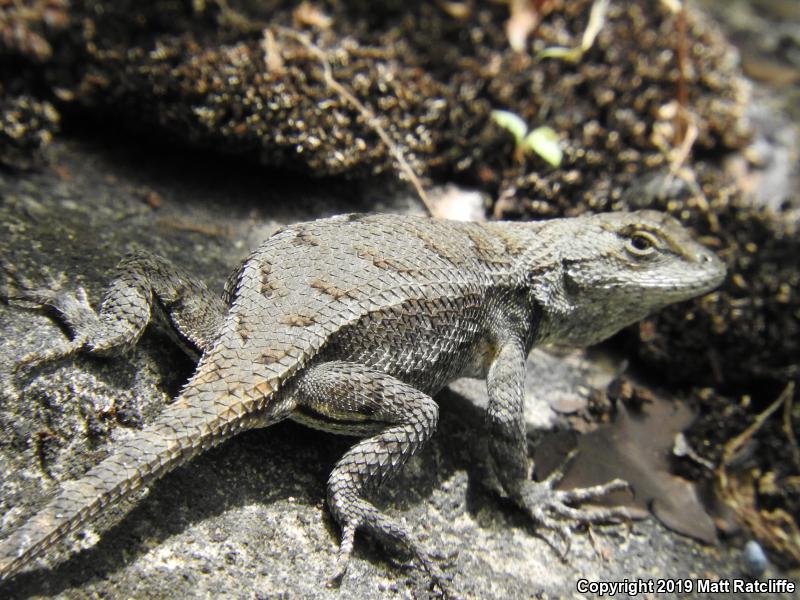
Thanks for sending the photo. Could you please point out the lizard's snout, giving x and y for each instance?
(713, 266)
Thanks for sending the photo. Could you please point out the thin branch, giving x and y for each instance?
(787, 427)
(369, 116)
(733, 446)
(682, 90)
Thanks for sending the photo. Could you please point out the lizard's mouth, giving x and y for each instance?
(705, 273)
(709, 270)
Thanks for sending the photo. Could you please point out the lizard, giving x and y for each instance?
(352, 324)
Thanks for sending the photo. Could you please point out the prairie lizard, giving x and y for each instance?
(352, 324)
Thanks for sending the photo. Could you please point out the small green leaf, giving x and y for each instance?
(511, 122)
(571, 55)
(544, 142)
(597, 20)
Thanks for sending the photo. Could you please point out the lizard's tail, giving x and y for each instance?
(179, 434)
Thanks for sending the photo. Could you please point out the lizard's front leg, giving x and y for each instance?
(508, 457)
(353, 399)
(145, 286)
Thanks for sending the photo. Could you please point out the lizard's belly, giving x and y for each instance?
(424, 346)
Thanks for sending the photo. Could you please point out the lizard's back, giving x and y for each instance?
(316, 287)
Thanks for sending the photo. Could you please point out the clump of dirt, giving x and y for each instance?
(26, 129)
(26, 26)
(230, 77)
(27, 122)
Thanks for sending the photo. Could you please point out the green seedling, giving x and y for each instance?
(542, 140)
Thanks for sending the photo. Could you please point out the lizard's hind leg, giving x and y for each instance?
(352, 399)
(145, 285)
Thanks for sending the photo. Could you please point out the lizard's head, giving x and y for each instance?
(619, 267)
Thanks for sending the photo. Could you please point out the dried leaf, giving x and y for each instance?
(636, 448)
(523, 20)
(681, 510)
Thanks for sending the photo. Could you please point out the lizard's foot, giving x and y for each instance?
(383, 527)
(22, 290)
(76, 311)
(355, 393)
(552, 508)
(74, 307)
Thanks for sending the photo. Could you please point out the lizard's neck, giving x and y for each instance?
(571, 316)
(574, 316)
(560, 312)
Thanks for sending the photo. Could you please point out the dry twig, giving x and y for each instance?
(776, 528)
(733, 446)
(369, 117)
(789, 429)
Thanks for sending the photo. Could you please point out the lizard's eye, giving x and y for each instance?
(641, 243)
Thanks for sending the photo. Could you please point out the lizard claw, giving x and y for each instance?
(428, 564)
(76, 311)
(540, 499)
(550, 508)
(343, 556)
(436, 574)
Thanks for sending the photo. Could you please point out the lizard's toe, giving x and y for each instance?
(39, 357)
(22, 290)
(541, 501)
(344, 554)
(553, 509)
(593, 492)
